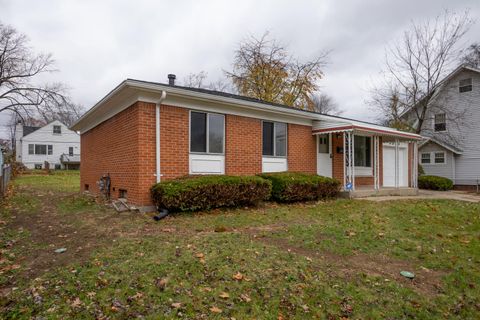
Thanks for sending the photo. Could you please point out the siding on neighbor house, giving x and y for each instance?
(466, 133)
(60, 145)
(443, 170)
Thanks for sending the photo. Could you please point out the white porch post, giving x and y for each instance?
(415, 165)
(352, 153)
(376, 163)
(396, 164)
(344, 162)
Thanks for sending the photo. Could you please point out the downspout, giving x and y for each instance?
(157, 135)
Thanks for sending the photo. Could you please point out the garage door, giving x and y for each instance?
(389, 166)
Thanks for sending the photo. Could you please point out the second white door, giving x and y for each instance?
(324, 151)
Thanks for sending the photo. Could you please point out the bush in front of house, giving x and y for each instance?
(208, 192)
(434, 183)
(295, 186)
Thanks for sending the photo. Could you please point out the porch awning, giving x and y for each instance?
(323, 127)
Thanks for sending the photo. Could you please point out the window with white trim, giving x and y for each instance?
(440, 122)
(40, 149)
(362, 151)
(465, 85)
(207, 132)
(439, 157)
(70, 151)
(57, 129)
(425, 158)
(274, 139)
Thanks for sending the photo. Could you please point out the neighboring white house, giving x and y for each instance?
(452, 129)
(53, 143)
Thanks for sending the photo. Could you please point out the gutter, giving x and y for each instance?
(157, 135)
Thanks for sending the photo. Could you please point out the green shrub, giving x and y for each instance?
(434, 183)
(294, 186)
(206, 192)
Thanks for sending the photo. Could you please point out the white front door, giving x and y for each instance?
(389, 166)
(324, 151)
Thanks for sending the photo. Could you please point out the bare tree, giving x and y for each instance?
(415, 68)
(471, 56)
(263, 69)
(19, 68)
(325, 104)
(199, 80)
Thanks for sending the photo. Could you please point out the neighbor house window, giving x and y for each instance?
(57, 129)
(425, 158)
(439, 157)
(363, 151)
(207, 132)
(70, 151)
(465, 85)
(440, 122)
(274, 139)
(40, 149)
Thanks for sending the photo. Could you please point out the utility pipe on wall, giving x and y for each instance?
(157, 134)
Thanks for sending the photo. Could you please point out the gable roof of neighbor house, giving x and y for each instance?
(441, 144)
(29, 129)
(443, 82)
(102, 111)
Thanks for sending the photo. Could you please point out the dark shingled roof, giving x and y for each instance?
(29, 129)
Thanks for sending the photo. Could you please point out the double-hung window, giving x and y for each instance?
(207, 132)
(57, 129)
(363, 151)
(440, 122)
(440, 157)
(465, 85)
(425, 158)
(70, 151)
(274, 139)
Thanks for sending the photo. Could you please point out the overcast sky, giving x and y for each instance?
(97, 44)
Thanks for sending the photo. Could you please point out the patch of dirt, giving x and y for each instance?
(426, 281)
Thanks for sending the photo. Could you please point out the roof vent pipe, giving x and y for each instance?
(171, 79)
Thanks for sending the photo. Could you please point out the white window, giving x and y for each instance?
(426, 158)
(40, 149)
(207, 132)
(57, 129)
(363, 151)
(70, 151)
(440, 157)
(465, 85)
(440, 122)
(274, 139)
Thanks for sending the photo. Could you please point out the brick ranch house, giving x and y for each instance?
(144, 132)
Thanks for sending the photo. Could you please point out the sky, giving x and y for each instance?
(98, 44)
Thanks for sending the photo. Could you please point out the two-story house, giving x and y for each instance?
(452, 129)
(53, 143)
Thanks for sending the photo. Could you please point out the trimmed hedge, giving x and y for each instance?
(207, 192)
(434, 183)
(294, 186)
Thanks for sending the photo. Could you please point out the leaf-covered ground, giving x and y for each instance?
(327, 260)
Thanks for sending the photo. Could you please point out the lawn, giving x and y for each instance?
(327, 260)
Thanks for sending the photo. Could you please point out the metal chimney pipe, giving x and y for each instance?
(171, 79)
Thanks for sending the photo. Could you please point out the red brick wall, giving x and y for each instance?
(243, 145)
(108, 149)
(302, 149)
(174, 142)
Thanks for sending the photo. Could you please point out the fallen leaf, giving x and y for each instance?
(245, 297)
(238, 276)
(199, 255)
(161, 283)
(176, 305)
(215, 309)
(224, 295)
(91, 294)
(76, 303)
